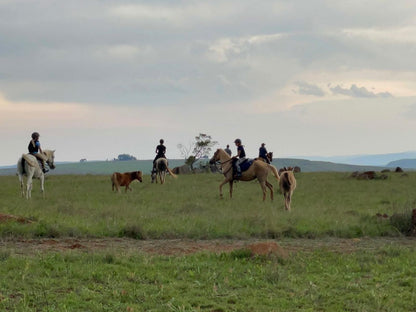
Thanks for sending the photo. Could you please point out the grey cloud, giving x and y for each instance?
(359, 92)
(81, 51)
(309, 89)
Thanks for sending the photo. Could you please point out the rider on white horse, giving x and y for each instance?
(36, 150)
(160, 153)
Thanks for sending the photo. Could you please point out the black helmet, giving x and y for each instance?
(237, 141)
(35, 135)
(161, 141)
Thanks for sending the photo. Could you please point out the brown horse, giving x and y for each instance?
(287, 186)
(258, 169)
(269, 156)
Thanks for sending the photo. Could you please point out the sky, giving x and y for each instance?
(307, 77)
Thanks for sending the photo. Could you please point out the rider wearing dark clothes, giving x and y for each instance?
(160, 151)
(263, 153)
(241, 154)
(35, 150)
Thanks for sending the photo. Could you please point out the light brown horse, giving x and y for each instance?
(259, 169)
(287, 186)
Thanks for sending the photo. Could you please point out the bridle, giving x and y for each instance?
(222, 163)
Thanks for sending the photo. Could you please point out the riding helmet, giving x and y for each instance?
(35, 135)
(237, 141)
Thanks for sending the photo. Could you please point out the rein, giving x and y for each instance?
(227, 161)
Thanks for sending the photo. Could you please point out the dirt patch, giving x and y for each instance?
(178, 247)
(8, 218)
(267, 249)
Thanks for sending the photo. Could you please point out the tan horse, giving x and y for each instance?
(32, 169)
(259, 169)
(287, 186)
(161, 166)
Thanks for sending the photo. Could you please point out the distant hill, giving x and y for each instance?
(367, 160)
(403, 163)
(321, 166)
(108, 167)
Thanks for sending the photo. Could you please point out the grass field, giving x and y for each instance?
(326, 207)
(324, 204)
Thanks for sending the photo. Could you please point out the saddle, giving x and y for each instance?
(246, 164)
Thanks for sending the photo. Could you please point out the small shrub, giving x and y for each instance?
(132, 231)
(402, 222)
(241, 254)
(47, 230)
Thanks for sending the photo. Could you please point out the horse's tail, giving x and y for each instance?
(274, 171)
(171, 172)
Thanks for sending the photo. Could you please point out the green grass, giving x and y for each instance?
(380, 280)
(324, 204)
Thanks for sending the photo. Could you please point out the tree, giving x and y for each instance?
(201, 148)
(123, 157)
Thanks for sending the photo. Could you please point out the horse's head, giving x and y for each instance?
(270, 156)
(138, 176)
(215, 157)
(51, 158)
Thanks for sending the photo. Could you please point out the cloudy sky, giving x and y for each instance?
(307, 77)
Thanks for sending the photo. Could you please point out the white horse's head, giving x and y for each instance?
(51, 158)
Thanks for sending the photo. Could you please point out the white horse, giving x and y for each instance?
(161, 166)
(31, 169)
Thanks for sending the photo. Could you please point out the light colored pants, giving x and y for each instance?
(42, 158)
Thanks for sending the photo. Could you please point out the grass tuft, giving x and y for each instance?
(132, 231)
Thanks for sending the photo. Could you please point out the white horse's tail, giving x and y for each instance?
(29, 160)
(171, 172)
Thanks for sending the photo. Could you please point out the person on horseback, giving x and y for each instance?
(263, 153)
(160, 152)
(240, 158)
(227, 150)
(36, 150)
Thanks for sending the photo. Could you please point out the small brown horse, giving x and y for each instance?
(287, 186)
(259, 169)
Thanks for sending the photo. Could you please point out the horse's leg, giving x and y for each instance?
(231, 188)
(21, 184)
(286, 195)
(221, 185)
(29, 187)
(263, 188)
(289, 199)
(270, 186)
(42, 182)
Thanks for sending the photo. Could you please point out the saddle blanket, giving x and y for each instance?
(246, 164)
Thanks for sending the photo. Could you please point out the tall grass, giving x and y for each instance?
(324, 204)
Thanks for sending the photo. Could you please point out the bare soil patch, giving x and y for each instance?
(179, 247)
